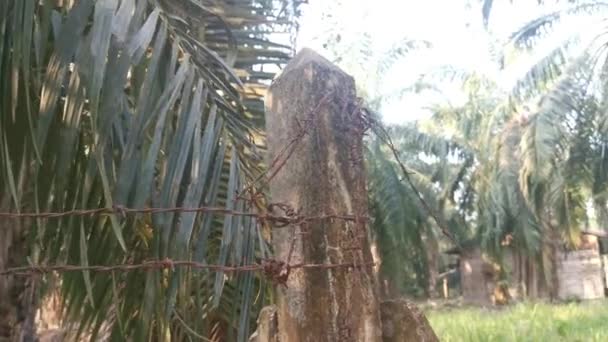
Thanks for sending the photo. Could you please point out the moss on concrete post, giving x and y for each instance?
(324, 175)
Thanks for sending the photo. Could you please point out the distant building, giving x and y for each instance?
(580, 273)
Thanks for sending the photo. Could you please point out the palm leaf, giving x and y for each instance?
(136, 104)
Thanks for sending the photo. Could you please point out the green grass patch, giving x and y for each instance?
(587, 321)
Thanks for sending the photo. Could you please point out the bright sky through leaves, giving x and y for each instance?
(454, 27)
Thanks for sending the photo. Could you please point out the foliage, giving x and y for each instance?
(402, 228)
(528, 161)
(523, 322)
(140, 103)
(562, 146)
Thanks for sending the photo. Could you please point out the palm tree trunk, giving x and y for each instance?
(432, 262)
(17, 309)
(550, 247)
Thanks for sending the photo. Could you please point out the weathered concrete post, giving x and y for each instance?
(311, 107)
(324, 175)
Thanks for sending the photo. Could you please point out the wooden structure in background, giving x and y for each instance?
(476, 277)
(580, 273)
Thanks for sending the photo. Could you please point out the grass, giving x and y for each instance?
(523, 322)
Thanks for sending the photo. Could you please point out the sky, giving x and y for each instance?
(454, 27)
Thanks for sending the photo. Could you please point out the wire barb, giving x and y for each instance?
(279, 215)
(279, 221)
(275, 270)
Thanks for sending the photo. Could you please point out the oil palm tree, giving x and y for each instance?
(404, 233)
(135, 104)
(432, 209)
(564, 137)
(548, 162)
(523, 178)
(466, 163)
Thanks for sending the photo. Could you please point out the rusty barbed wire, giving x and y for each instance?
(385, 137)
(279, 161)
(275, 270)
(279, 220)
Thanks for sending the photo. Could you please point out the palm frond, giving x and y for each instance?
(568, 51)
(400, 221)
(134, 103)
(399, 50)
(533, 31)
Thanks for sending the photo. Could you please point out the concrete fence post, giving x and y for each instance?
(312, 118)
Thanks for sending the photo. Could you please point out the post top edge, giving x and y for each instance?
(307, 56)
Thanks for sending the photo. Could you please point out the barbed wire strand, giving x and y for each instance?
(279, 161)
(385, 137)
(271, 267)
(277, 271)
(121, 210)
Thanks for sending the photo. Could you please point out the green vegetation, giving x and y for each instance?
(524, 322)
(136, 104)
(512, 160)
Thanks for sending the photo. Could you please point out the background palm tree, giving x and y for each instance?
(404, 232)
(135, 103)
(537, 175)
(566, 129)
